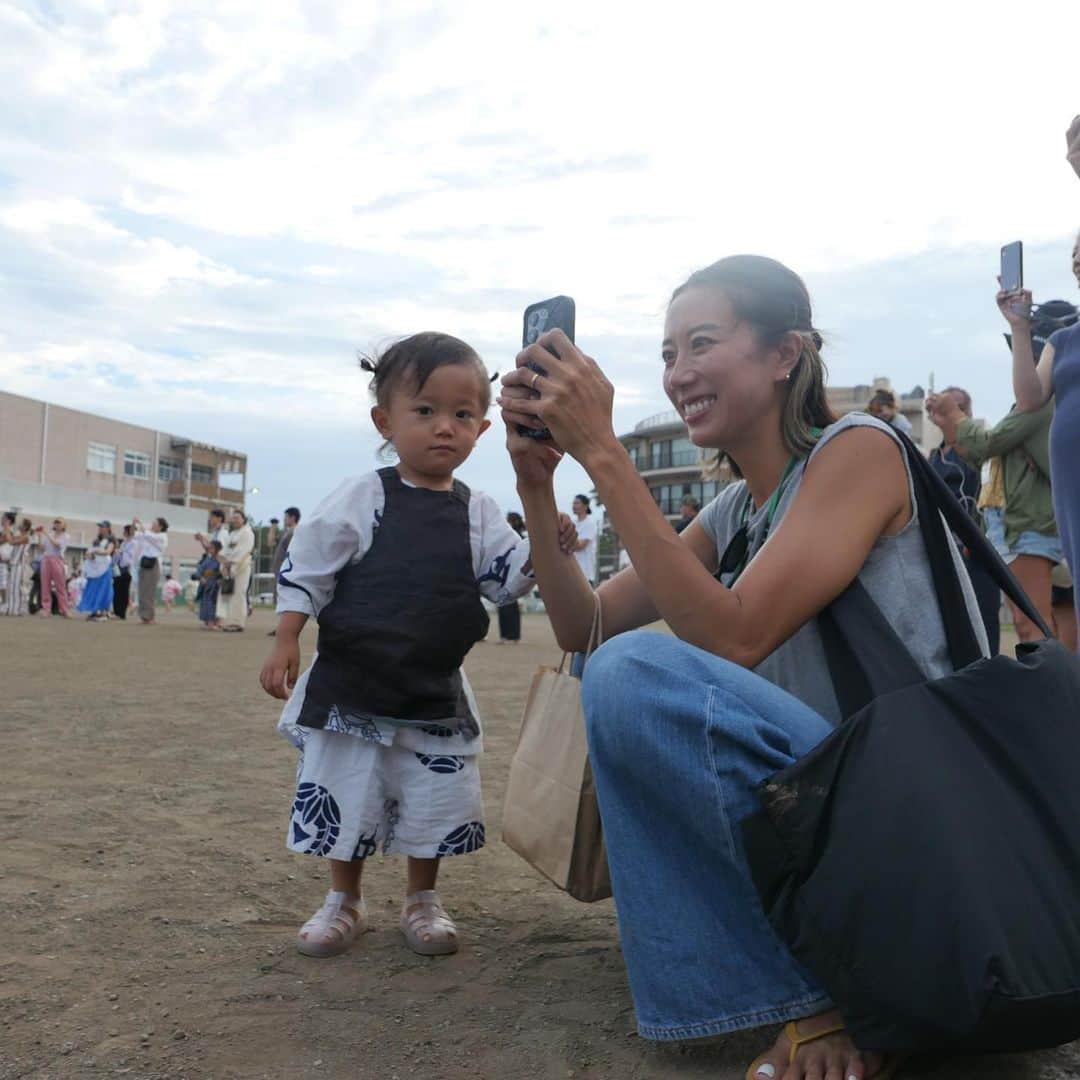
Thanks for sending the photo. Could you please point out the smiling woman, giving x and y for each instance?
(682, 728)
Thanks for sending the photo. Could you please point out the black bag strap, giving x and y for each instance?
(866, 657)
(936, 494)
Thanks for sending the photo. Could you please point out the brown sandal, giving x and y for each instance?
(791, 1030)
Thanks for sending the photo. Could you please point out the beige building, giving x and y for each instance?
(85, 468)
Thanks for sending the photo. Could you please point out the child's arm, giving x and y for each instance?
(280, 672)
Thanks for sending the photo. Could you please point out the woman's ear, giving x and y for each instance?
(789, 351)
(381, 419)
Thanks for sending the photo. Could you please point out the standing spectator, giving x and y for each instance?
(19, 565)
(510, 613)
(965, 482)
(1031, 534)
(585, 551)
(152, 544)
(687, 512)
(281, 549)
(235, 560)
(170, 591)
(97, 594)
(883, 406)
(209, 573)
(53, 568)
(1053, 374)
(7, 549)
(125, 561)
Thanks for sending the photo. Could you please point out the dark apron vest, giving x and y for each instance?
(393, 638)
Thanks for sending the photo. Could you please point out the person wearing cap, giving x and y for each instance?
(97, 597)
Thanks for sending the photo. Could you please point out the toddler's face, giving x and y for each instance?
(435, 429)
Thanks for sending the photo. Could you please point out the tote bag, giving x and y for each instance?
(550, 816)
(923, 861)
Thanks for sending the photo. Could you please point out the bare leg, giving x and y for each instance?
(1065, 624)
(1033, 573)
(831, 1056)
(422, 875)
(345, 876)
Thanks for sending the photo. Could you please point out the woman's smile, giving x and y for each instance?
(696, 408)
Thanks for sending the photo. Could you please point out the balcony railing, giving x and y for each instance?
(678, 459)
(662, 419)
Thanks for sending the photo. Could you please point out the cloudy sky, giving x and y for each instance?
(207, 209)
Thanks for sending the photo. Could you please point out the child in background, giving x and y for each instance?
(170, 591)
(209, 575)
(393, 564)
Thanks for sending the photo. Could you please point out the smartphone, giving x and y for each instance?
(1012, 267)
(558, 313)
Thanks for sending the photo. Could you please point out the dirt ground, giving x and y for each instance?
(147, 904)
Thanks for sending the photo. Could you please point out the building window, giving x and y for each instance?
(202, 474)
(170, 469)
(137, 464)
(101, 457)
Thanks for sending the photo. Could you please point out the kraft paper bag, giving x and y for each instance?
(551, 817)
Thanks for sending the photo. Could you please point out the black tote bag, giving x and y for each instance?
(923, 861)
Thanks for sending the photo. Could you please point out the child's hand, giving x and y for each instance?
(279, 673)
(567, 534)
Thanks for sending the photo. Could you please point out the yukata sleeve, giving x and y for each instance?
(338, 532)
(501, 557)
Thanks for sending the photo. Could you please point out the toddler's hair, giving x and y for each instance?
(415, 358)
(216, 545)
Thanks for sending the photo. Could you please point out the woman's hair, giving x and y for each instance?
(772, 299)
(415, 358)
(516, 522)
(63, 523)
(880, 398)
(585, 500)
(243, 516)
(8, 517)
(163, 524)
(26, 526)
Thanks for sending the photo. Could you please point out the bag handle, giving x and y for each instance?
(596, 633)
(936, 494)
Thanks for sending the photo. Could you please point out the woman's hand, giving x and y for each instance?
(1072, 139)
(573, 399)
(1016, 308)
(943, 409)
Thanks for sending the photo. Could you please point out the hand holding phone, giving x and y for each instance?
(558, 313)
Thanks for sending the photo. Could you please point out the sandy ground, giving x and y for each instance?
(147, 906)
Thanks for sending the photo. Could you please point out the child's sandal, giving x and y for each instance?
(428, 930)
(334, 927)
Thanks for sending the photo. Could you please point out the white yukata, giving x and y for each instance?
(364, 782)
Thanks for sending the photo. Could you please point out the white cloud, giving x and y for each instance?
(252, 190)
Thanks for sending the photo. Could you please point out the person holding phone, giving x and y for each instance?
(1055, 376)
(683, 726)
(53, 569)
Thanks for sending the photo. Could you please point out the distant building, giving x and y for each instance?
(85, 468)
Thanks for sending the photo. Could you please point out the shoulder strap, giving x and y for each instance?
(461, 492)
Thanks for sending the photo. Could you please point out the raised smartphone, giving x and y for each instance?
(558, 313)
(1012, 267)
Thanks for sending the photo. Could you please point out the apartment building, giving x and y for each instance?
(88, 468)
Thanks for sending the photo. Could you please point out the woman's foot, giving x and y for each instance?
(818, 1046)
(334, 927)
(428, 930)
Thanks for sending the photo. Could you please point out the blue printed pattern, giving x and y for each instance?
(346, 724)
(463, 840)
(366, 846)
(315, 817)
(438, 731)
(391, 816)
(441, 763)
(499, 570)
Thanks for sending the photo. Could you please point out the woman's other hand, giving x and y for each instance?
(573, 399)
(1072, 139)
(1015, 307)
(534, 460)
(944, 409)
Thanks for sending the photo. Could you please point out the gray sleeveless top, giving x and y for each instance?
(896, 574)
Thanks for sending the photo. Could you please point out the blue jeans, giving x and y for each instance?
(678, 739)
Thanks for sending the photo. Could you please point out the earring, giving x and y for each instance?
(787, 377)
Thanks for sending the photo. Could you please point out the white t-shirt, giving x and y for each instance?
(587, 531)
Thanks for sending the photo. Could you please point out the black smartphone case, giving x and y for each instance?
(558, 313)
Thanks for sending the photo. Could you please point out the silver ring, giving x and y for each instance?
(536, 375)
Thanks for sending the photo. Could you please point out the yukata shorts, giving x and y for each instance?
(354, 796)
